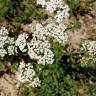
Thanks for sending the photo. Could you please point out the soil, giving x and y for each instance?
(8, 86)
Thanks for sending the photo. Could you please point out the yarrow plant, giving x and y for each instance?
(89, 48)
(57, 32)
(58, 6)
(37, 47)
(21, 42)
(26, 74)
(3, 38)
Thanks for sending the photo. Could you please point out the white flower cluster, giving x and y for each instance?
(3, 52)
(41, 2)
(21, 42)
(61, 9)
(62, 14)
(11, 45)
(11, 50)
(57, 32)
(26, 74)
(51, 5)
(54, 5)
(3, 38)
(39, 47)
(89, 46)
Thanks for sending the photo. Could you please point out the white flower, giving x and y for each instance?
(61, 15)
(39, 45)
(58, 6)
(2, 41)
(38, 50)
(11, 50)
(41, 2)
(57, 31)
(3, 52)
(10, 41)
(21, 42)
(3, 36)
(36, 82)
(53, 5)
(3, 31)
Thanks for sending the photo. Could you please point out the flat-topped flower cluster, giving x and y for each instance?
(6, 40)
(55, 6)
(26, 74)
(89, 47)
(21, 42)
(39, 46)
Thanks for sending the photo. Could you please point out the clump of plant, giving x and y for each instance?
(74, 25)
(28, 10)
(6, 9)
(20, 10)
